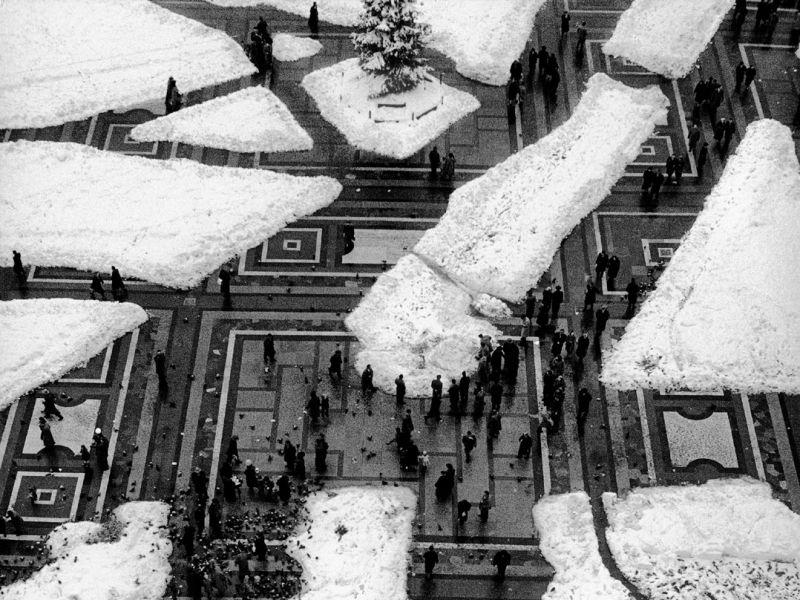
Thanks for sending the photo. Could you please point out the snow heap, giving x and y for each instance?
(287, 47)
(394, 125)
(569, 543)
(169, 222)
(71, 59)
(727, 539)
(501, 230)
(725, 313)
(666, 37)
(414, 322)
(250, 120)
(355, 544)
(483, 38)
(46, 338)
(127, 558)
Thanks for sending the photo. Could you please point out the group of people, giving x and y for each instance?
(259, 48)
(444, 169)
(118, 290)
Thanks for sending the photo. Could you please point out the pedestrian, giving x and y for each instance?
(449, 167)
(321, 454)
(558, 299)
(289, 455)
(670, 168)
(269, 349)
(483, 507)
(335, 368)
(463, 508)
(325, 407)
(516, 71)
(313, 407)
(407, 425)
(443, 487)
(215, 518)
(530, 305)
(224, 281)
(100, 443)
(544, 57)
(250, 476)
(494, 425)
(469, 441)
(454, 395)
(532, 58)
(436, 399)
(569, 343)
(680, 165)
(232, 453)
(547, 298)
(739, 75)
(658, 181)
(50, 408)
(430, 558)
(582, 347)
(497, 361)
(602, 317)
(19, 270)
(96, 287)
(501, 560)
(367, 388)
(463, 392)
(86, 460)
(284, 488)
(160, 362)
(263, 29)
(750, 75)
(694, 137)
(702, 157)
(46, 435)
(400, 389)
(424, 462)
(525, 445)
(581, 45)
(513, 97)
(647, 182)
(435, 160)
(313, 20)
(118, 291)
(589, 297)
(496, 394)
(188, 540)
(559, 337)
(565, 18)
(612, 272)
(479, 403)
(584, 399)
(300, 466)
(173, 99)
(730, 127)
(17, 523)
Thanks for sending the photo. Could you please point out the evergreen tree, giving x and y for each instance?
(389, 42)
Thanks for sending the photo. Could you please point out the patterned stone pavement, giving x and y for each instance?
(300, 284)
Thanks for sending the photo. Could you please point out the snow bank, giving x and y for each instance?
(355, 544)
(287, 47)
(250, 120)
(343, 93)
(569, 543)
(482, 38)
(722, 539)
(491, 307)
(169, 222)
(725, 313)
(501, 230)
(44, 339)
(667, 37)
(132, 565)
(414, 322)
(68, 60)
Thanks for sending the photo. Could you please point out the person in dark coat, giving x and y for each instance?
(702, 158)
(215, 518)
(160, 362)
(462, 507)
(430, 558)
(602, 318)
(497, 361)
(530, 305)
(188, 540)
(284, 488)
(46, 435)
(250, 476)
(739, 75)
(600, 264)
(584, 399)
(454, 395)
(194, 582)
(463, 392)
(118, 291)
(558, 299)
(19, 270)
(633, 295)
(511, 354)
(680, 165)
(694, 137)
(569, 343)
(100, 443)
(50, 408)
(321, 454)
(719, 130)
(289, 455)
(730, 128)
(658, 181)
(436, 398)
(581, 43)
(313, 407)
(96, 287)
(749, 76)
(269, 349)
(582, 347)
(525, 445)
(256, 54)
(479, 403)
(494, 425)
(670, 168)
(366, 381)
(225, 285)
(435, 160)
(469, 441)
(443, 487)
(400, 389)
(173, 99)
(263, 30)
(483, 507)
(516, 70)
(260, 546)
(547, 298)
(532, 58)
(589, 297)
(335, 368)
(313, 20)
(325, 407)
(501, 560)
(300, 466)
(613, 271)
(407, 424)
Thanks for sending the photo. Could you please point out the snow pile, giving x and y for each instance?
(727, 539)
(97, 562)
(483, 38)
(395, 125)
(416, 323)
(287, 47)
(250, 120)
(569, 543)
(68, 60)
(501, 230)
(725, 313)
(44, 339)
(356, 542)
(491, 307)
(169, 222)
(666, 37)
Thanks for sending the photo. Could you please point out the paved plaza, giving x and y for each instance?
(300, 285)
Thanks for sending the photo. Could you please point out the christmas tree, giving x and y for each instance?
(389, 42)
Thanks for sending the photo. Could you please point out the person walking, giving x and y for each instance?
(479, 403)
(321, 454)
(469, 441)
(173, 99)
(525, 445)
(483, 507)
(313, 407)
(434, 411)
(160, 362)
(46, 435)
(100, 443)
(658, 181)
(284, 488)
(680, 165)
(739, 72)
(589, 297)
(580, 46)
(224, 280)
(612, 272)
(400, 389)
(96, 287)
(463, 507)
(670, 168)
(430, 559)
(269, 349)
(730, 128)
(367, 388)
(463, 392)
(558, 299)
(749, 77)
(335, 368)
(19, 270)
(694, 137)
(515, 71)
(289, 455)
(50, 408)
(602, 318)
(582, 347)
(702, 158)
(533, 56)
(313, 20)
(584, 399)
(494, 425)
(501, 560)
(435, 160)
(453, 395)
(600, 264)
(118, 291)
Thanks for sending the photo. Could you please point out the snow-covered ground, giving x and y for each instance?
(501, 230)
(170, 222)
(287, 47)
(71, 59)
(343, 95)
(355, 543)
(98, 562)
(667, 37)
(483, 38)
(414, 322)
(250, 120)
(725, 313)
(45, 338)
(568, 541)
(727, 539)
